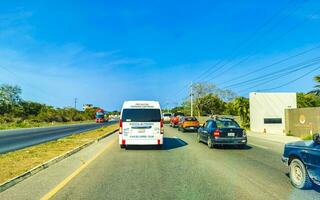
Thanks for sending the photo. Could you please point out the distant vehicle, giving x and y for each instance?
(303, 159)
(167, 117)
(100, 116)
(174, 121)
(141, 123)
(188, 124)
(222, 131)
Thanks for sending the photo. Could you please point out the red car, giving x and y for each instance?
(174, 121)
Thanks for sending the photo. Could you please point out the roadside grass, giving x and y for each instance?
(16, 163)
(25, 124)
(306, 137)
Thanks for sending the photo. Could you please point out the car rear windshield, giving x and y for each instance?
(178, 114)
(227, 124)
(192, 119)
(141, 115)
(167, 114)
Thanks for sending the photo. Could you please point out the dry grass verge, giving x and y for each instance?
(15, 163)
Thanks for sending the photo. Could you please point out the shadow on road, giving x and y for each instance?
(314, 187)
(247, 147)
(168, 144)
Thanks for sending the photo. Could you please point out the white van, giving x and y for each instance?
(141, 123)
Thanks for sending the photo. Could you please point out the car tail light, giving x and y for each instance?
(120, 124)
(216, 133)
(161, 127)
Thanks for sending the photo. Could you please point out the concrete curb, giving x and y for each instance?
(281, 140)
(6, 185)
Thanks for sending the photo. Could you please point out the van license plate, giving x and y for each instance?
(231, 134)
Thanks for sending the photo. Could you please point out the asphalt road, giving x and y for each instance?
(11, 140)
(186, 169)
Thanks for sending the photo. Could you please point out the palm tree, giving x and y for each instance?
(316, 89)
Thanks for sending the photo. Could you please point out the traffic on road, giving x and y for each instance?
(148, 100)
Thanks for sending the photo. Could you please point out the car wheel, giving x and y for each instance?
(209, 142)
(179, 129)
(122, 146)
(198, 138)
(183, 130)
(298, 175)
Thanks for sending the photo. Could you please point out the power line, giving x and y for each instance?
(275, 72)
(292, 81)
(272, 64)
(278, 76)
(269, 44)
(244, 42)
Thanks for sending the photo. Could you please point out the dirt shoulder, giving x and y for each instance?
(15, 163)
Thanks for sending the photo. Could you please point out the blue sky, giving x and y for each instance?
(105, 52)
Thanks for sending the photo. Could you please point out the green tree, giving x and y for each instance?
(199, 91)
(10, 94)
(211, 104)
(316, 89)
(9, 98)
(241, 105)
(307, 100)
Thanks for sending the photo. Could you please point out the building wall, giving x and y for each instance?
(302, 121)
(267, 111)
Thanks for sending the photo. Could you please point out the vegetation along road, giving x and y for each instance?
(11, 140)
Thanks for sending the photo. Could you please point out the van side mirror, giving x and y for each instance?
(316, 138)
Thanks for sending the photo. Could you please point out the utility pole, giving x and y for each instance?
(75, 103)
(191, 99)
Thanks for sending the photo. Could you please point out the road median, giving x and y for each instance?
(19, 165)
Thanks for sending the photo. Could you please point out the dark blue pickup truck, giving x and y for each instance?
(303, 159)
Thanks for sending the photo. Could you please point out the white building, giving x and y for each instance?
(267, 111)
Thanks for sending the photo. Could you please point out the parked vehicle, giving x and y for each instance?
(100, 116)
(303, 160)
(174, 121)
(141, 123)
(166, 117)
(188, 124)
(222, 131)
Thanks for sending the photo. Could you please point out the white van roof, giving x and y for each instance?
(141, 104)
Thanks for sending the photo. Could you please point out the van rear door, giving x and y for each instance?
(141, 123)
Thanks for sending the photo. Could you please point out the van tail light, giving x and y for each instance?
(216, 133)
(120, 125)
(161, 127)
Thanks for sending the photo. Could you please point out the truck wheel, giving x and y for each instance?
(209, 142)
(298, 175)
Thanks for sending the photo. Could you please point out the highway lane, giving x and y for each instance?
(186, 169)
(11, 140)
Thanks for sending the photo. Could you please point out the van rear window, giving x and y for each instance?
(141, 115)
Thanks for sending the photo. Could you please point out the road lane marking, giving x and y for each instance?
(62, 184)
(260, 146)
